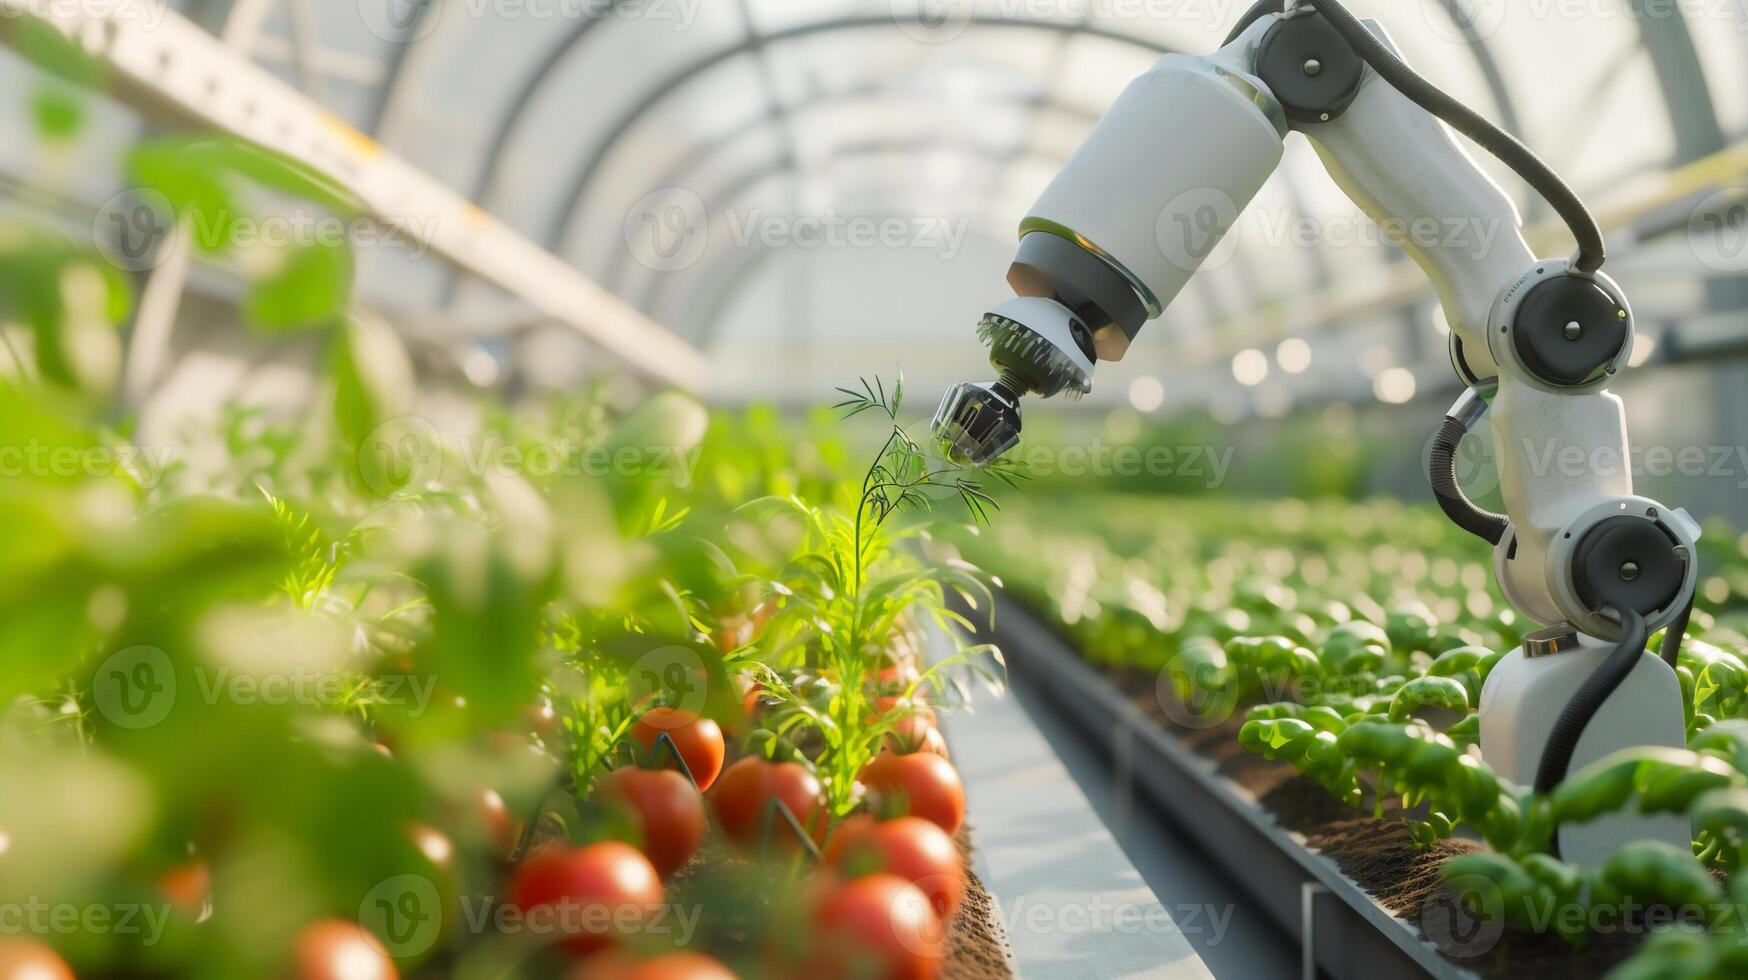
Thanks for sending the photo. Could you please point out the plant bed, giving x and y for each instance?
(976, 944)
(1193, 780)
(1437, 847)
(454, 718)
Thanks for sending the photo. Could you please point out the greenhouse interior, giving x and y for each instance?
(695, 489)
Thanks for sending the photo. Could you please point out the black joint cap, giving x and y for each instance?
(1568, 331)
(1628, 562)
(1310, 67)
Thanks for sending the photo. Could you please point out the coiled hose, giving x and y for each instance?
(1441, 472)
(1671, 649)
(1557, 754)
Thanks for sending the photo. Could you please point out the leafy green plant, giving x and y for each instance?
(853, 590)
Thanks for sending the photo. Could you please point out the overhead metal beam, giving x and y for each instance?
(755, 176)
(699, 156)
(179, 73)
(577, 187)
(723, 290)
(399, 51)
(1406, 285)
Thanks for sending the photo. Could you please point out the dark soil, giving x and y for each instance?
(1379, 855)
(976, 945)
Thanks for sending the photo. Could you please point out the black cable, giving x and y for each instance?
(1521, 159)
(1441, 472)
(1257, 11)
(1677, 631)
(1557, 754)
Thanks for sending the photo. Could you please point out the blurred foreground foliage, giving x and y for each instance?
(245, 680)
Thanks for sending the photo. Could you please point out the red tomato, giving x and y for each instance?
(910, 847)
(668, 810)
(499, 826)
(334, 949)
(922, 784)
(542, 719)
(744, 791)
(913, 708)
(25, 959)
(878, 927)
(432, 843)
(673, 966)
(752, 703)
(734, 632)
(587, 894)
(186, 886)
(762, 614)
(915, 733)
(699, 740)
(898, 678)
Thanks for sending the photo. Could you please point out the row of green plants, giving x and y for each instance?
(338, 699)
(1352, 641)
(575, 686)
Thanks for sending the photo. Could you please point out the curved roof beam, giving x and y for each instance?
(1693, 114)
(699, 155)
(397, 61)
(578, 186)
(508, 122)
(675, 175)
(720, 296)
(745, 182)
(1489, 66)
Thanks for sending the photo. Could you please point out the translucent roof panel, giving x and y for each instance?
(772, 130)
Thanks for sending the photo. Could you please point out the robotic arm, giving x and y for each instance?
(1162, 178)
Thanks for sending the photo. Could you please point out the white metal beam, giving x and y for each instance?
(172, 69)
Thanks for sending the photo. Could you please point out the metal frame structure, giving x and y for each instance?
(180, 74)
(1667, 42)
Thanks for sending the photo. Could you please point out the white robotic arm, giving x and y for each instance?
(1164, 176)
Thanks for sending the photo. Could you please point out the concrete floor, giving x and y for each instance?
(1247, 945)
